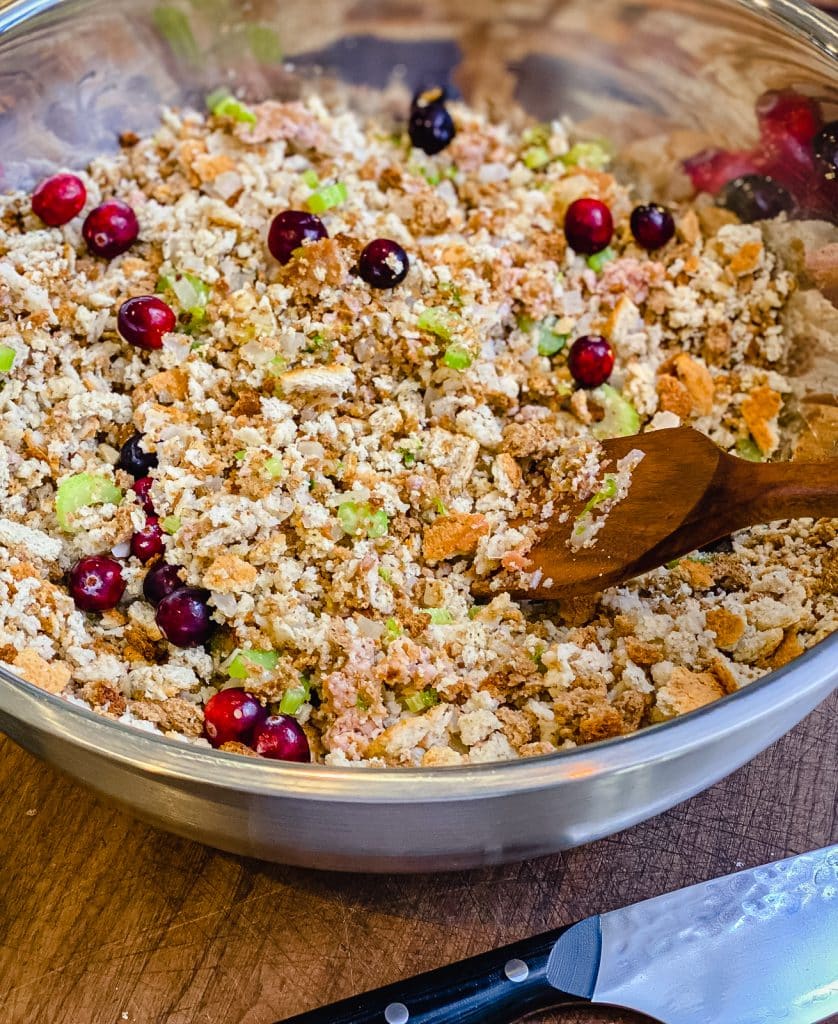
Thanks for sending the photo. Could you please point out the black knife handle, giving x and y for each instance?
(493, 988)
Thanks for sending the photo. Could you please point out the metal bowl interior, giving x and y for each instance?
(77, 72)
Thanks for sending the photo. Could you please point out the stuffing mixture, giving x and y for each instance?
(277, 383)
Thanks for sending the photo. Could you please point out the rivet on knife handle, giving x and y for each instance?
(494, 988)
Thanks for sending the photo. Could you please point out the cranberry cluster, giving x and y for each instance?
(793, 168)
(236, 716)
(109, 229)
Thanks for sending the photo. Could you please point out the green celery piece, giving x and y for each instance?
(549, 342)
(80, 491)
(440, 616)
(349, 516)
(327, 197)
(593, 155)
(537, 157)
(310, 178)
(273, 467)
(7, 358)
(421, 701)
(294, 698)
(174, 26)
(621, 418)
(746, 448)
(229, 106)
(457, 358)
(240, 455)
(385, 575)
(598, 260)
(377, 524)
(439, 320)
(394, 630)
(265, 660)
(171, 524)
(536, 135)
(606, 492)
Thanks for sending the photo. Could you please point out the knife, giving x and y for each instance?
(757, 947)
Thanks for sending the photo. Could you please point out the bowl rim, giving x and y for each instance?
(162, 756)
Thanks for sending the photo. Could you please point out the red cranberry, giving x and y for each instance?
(148, 542)
(232, 715)
(134, 459)
(590, 360)
(783, 112)
(825, 145)
(711, 169)
(184, 617)
(96, 583)
(281, 737)
(144, 320)
(58, 199)
(110, 229)
(290, 229)
(652, 226)
(383, 263)
(430, 127)
(756, 197)
(588, 226)
(142, 488)
(161, 580)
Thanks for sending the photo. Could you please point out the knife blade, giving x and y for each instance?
(756, 947)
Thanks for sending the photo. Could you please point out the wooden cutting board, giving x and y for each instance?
(104, 920)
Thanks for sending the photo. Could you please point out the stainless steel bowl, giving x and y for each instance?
(74, 73)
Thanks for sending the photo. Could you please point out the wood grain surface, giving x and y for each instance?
(104, 920)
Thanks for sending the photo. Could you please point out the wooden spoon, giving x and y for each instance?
(685, 494)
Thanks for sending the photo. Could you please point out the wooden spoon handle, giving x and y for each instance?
(783, 490)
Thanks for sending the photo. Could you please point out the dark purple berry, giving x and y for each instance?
(430, 126)
(755, 197)
(96, 583)
(383, 263)
(110, 229)
(184, 617)
(281, 737)
(161, 580)
(826, 146)
(58, 199)
(588, 226)
(142, 488)
(144, 320)
(590, 360)
(290, 229)
(148, 542)
(134, 459)
(231, 716)
(652, 226)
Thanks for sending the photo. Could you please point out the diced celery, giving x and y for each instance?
(421, 701)
(536, 157)
(240, 455)
(592, 155)
(440, 508)
(605, 493)
(171, 524)
(598, 260)
(408, 457)
(294, 698)
(385, 575)
(273, 467)
(240, 667)
(7, 358)
(621, 418)
(377, 524)
(457, 358)
(439, 320)
(277, 365)
(440, 616)
(349, 517)
(310, 178)
(536, 135)
(746, 448)
(223, 104)
(327, 197)
(549, 341)
(80, 491)
(394, 630)
(361, 703)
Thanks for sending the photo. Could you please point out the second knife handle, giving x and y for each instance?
(494, 988)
